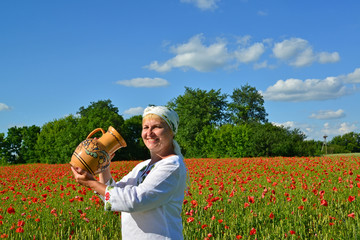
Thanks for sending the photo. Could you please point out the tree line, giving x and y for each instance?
(212, 124)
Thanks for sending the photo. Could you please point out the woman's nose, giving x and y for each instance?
(150, 131)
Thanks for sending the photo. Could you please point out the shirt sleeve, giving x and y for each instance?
(123, 182)
(155, 190)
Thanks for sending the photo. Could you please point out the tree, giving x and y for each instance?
(224, 141)
(28, 147)
(58, 140)
(100, 114)
(197, 109)
(349, 142)
(270, 140)
(3, 150)
(131, 132)
(13, 144)
(247, 106)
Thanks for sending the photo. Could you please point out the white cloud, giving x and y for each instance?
(262, 13)
(353, 77)
(338, 129)
(134, 111)
(243, 40)
(328, 114)
(263, 64)
(288, 124)
(299, 53)
(317, 132)
(195, 55)
(296, 90)
(4, 107)
(325, 57)
(144, 82)
(250, 54)
(203, 4)
(307, 129)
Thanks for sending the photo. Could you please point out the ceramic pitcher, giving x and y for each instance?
(93, 155)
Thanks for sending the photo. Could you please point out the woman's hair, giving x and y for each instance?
(157, 117)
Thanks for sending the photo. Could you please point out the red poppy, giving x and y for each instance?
(351, 198)
(21, 223)
(271, 215)
(292, 232)
(324, 203)
(352, 215)
(253, 231)
(190, 219)
(19, 230)
(11, 210)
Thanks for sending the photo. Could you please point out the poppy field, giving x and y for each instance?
(246, 198)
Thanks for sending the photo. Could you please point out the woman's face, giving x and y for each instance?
(157, 136)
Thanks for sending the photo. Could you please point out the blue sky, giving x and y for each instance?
(303, 56)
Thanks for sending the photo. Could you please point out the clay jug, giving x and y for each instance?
(93, 155)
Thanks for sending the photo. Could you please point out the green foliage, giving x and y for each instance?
(28, 147)
(3, 150)
(101, 114)
(247, 106)
(209, 127)
(349, 142)
(13, 144)
(131, 132)
(270, 140)
(19, 145)
(197, 109)
(58, 140)
(224, 141)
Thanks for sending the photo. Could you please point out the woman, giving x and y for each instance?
(150, 197)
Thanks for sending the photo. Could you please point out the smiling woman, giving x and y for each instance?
(157, 137)
(150, 196)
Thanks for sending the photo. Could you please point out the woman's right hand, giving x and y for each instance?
(81, 176)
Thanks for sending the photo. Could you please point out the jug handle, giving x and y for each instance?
(95, 131)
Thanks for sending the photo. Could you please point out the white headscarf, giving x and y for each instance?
(170, 117)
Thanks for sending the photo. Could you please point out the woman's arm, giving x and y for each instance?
(105, 176)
